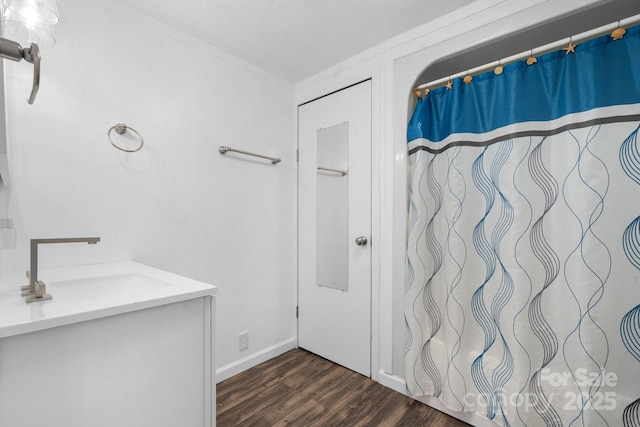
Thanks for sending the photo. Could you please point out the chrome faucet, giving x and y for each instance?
(36, 290)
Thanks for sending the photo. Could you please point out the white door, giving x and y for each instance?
(334, 227)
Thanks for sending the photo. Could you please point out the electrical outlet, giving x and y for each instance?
(243, 340)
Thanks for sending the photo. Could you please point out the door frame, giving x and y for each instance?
(380, 316)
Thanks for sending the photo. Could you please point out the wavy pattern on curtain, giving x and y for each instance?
(522, 300)
(630, 325)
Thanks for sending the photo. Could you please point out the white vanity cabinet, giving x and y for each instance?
(146, 363)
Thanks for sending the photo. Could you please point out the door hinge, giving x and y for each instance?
(297, 155)
(296, 311)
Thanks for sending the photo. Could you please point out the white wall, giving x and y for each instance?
(177, 204)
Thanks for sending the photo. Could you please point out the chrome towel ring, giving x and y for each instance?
(121, 129)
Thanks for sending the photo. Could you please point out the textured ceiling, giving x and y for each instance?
(294, 39)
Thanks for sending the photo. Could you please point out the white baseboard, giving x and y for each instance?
(392, 381)
(398, 384)
(254, 359)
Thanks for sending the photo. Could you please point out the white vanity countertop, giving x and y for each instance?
(87, 292)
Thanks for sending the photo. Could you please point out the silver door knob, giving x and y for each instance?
(361, 241)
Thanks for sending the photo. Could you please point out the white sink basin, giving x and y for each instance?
(121, 285)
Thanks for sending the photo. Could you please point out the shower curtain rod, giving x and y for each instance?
(550, 47)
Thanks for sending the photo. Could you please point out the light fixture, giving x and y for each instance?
(30, 21)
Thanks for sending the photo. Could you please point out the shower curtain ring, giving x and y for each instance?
(618, 33)
(571, 48)
(467, 79)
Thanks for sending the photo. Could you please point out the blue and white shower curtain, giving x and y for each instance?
(522, 299)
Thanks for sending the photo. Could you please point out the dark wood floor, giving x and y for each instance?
(299, 388)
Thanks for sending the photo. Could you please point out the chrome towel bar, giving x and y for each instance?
(341, 172)
(224, 150)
